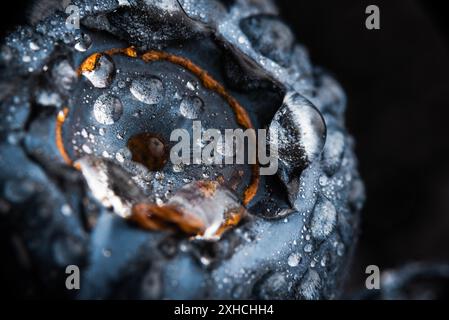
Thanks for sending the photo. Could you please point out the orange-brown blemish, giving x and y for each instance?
(129, 52)
(166, 217)
(60, 119)
(251, 190)
(233, 218)
(208, 188)
(90, 63)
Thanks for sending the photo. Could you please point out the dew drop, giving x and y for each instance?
(147, 90)
(310, 285)
(323, 220)
(178, 168)
(308, 248)
(34, 46)
(333, 152)
(190, 86)
(102, 75)
(293, 259)
(340, 249)
(64, 75)
(301, 134)
(324, 260)
(106, 253)
(66, 210)
(191, 107)
(86, 149)
(121, 84)
(84, 43)
(108, 109)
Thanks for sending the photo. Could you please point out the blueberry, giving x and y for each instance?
(85, 174)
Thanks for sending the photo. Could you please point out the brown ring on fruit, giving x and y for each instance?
(162, 214)
(170, 217)
(60, 119)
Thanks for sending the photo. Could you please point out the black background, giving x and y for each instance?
(397, 82)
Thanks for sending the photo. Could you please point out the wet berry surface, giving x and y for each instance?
(87, 117)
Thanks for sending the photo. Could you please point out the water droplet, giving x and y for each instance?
(293, 259)
(122, 3)
(108, 109)
(159, 176)
(323, 220)
(86, 149)
(147, 90)
(119, 157)
(191, 107)
(210, 204)
(206, 261)
(47, 98)
(66, 210)
(34, 46)
(308, 248)
(190, 86)
(14, 138)
(84, 133)
(340, 249)
(301, 133)
(324, 260)
(310, 285)
(121, 84)
(178, 168)
(159, 201)
(110, 184)
(333, 152)
(83, 44)
(323, 180)
(106, 252)
(102, 75)
(64, 76)
(271, 37)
